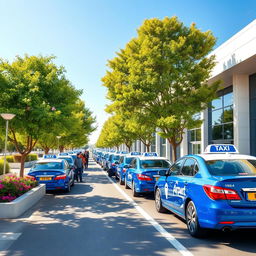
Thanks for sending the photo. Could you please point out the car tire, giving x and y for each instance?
(192, 221)
(158, 202)
(134, 193)
(121, 182)
(125, 184)
(68, 189)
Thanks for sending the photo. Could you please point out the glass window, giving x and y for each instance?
(196, 148)
(121, 160)
(217, 103)
(228, 99)
(47, 166)
(188, 167)
(221, 121)
(128, 160)
(217, 116)
(175, 168)
(156, 163)
(240, 167)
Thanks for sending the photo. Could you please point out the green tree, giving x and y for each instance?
(37, 91)
(162, 76)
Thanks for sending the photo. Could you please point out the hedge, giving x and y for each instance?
(30, 157)
(2, 167)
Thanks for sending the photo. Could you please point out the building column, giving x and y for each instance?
(184, 144)
(158, 144)
(138, 145)
(168, 150)
(241, 113)
(204, 130)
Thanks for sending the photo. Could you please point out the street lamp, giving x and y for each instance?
(7, 117)
(58, 137)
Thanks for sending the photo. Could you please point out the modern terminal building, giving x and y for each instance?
(232, 117)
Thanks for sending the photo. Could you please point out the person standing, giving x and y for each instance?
(78, 168)
(86, 153)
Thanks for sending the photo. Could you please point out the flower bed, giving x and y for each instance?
(11, 187)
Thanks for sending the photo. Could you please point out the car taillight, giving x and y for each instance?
(219, 193)
(113, 164)
(124, 170)
(143, 177)
(61, 177)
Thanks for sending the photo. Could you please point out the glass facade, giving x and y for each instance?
(162, 147)
(252, 85)
(194, 138)
(153, 145)
(221, 118)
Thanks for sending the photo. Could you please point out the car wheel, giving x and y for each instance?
(192, 221)
(68, 189)
(134, 193)
(158, 202)
(125, 183)
(121, 182)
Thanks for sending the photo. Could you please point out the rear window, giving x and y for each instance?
(146, 164)
(47, 166)
(240, 167)
(70, 161)
(128, 160)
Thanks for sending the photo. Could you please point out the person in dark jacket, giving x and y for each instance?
(78, 168)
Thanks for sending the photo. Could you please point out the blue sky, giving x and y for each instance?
(84, 34)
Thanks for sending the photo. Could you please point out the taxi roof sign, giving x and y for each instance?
(135, 153)
(150, 154)
(49, 156)
(221, 148)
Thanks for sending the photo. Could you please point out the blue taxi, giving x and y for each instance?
(143, 173)
(213, 190)
(55, 173)
(124, 164)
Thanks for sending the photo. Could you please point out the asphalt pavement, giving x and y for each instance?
(100, 217)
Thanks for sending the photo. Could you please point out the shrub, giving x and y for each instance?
(2, 167)
(30, 157)
(10, 159)
(12, 187)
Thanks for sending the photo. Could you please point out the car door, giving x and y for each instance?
(183, 184)
(130, 172)
(168, 196)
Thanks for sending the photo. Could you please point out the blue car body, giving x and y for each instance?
(54, 173)
(143, 173)
(220, 187)
(123, 165)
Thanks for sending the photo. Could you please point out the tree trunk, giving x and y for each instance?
(174, 153)
(148, 147)
(22, 164)
(61, 149)
(46, 150)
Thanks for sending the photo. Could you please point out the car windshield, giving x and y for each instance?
(240, 167)
(47, 166)
(156, 163)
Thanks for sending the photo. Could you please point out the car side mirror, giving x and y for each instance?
(163, 173)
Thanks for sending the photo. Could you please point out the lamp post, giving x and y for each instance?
(7, 117)
(58, 137)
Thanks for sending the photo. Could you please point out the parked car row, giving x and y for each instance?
(212, 190)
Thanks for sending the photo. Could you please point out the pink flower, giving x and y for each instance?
(1, 186)
(53, 108)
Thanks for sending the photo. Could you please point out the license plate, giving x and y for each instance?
(45, 178)
(251, 196)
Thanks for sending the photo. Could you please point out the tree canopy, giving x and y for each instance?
(161, 76)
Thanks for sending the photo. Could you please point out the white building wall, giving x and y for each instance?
(241, 113)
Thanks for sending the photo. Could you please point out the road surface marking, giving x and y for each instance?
(9, 236)
(169, 237)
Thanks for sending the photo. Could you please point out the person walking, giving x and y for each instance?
(86, 153)
(78, 168)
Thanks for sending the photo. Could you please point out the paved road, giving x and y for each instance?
(96, 218)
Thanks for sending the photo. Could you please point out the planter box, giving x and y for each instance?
(23, 203)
